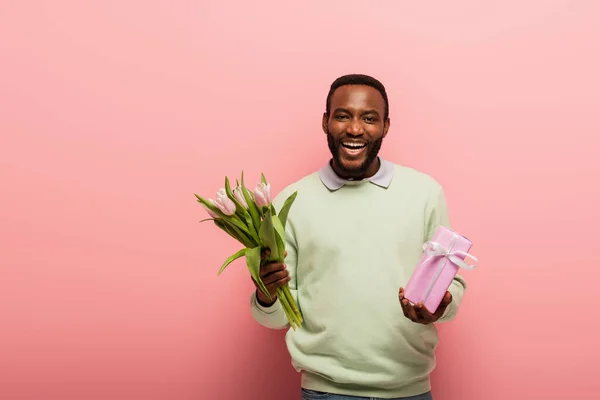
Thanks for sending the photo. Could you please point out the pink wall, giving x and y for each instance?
(112, 115)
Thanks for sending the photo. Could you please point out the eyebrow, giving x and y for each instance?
(341, 109)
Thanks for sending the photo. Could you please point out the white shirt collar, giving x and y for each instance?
(383, 176)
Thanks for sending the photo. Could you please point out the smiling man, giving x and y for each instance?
(354, 237)
(355, 121)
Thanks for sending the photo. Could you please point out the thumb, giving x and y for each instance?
(447, 299)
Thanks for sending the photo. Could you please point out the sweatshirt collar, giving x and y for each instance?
(383, 177)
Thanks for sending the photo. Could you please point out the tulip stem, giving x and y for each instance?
(286, 307)
(289, 305)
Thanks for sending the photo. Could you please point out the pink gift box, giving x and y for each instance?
(442, 256)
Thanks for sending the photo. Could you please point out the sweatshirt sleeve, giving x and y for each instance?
(437, 215)
(274, 316)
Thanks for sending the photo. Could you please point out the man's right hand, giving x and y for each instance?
(274, 276)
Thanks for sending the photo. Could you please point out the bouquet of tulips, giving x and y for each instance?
(250, 218)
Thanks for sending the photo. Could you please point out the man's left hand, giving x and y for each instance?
(421, 315)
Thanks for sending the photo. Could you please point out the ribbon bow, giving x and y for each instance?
(434, 249)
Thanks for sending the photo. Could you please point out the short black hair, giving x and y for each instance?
(358, 79)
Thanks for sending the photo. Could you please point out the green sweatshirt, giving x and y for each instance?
(351, 245)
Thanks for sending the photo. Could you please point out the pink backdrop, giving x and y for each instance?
(112, 114)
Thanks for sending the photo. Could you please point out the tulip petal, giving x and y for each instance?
(209, 205)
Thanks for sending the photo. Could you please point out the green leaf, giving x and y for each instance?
(267, 235)
(254, 213)
(253, 263)
(285, 209)
(232, 220)
(263, 179)
(280, 246)
(232, 258)
(279, 238)
(242, 236)
(251, 227)
(234, 232)
(278, 226)
(236, 222)
(227, 229)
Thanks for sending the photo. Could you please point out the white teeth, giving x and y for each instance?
(354, 145)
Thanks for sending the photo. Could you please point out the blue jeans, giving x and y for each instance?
(312, 395)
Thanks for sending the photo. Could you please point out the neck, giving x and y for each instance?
(369, 172)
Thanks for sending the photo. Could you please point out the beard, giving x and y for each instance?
(353, 171)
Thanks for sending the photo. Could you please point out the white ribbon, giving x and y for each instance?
(435, 249)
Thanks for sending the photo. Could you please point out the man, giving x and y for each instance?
(354, 236)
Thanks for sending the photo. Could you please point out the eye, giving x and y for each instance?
(370, 120)
(341, 117)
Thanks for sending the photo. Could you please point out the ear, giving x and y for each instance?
(324, 122)
(386, 126)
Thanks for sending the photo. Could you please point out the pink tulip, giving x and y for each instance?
(262, 194)
(239, 196)
(209, 211)
(224, 203)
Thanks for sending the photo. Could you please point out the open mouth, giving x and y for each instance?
(354, 145)
(353, 148)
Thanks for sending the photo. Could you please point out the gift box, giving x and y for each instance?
(442, 256)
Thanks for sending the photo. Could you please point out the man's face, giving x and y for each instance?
(355, 129)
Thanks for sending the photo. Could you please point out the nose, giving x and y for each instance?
(354, 128)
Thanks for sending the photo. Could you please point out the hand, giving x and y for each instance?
(421, 315)
(274, 275)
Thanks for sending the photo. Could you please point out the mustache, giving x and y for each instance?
(339, 140)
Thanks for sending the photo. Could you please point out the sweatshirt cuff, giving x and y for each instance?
(457, 289)
(271, 317)
(265, 310)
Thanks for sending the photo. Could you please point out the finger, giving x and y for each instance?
(271, 268)
(412, 313)
(278, 283)
(275, 276)
(443, 305)
(409, 310)
(260, 290)
(439, 312)
(273, 286)
(423, 313)
(265, 253)
(447, 299)
(264, 298)
(404, 303)
(284, 254)
(400, 295)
